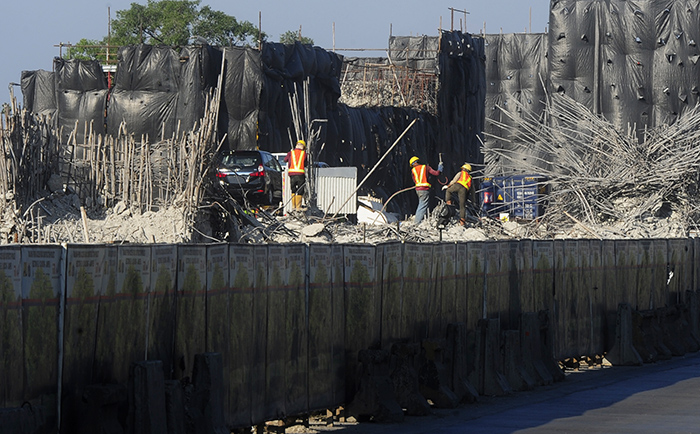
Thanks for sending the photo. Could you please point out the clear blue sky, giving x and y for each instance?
(33, 28)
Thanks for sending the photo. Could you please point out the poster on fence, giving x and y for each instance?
(626, 255)
(191, 307)
(598, 343)
(645, 276)
(276, 332)
(297, 349)
(161, 306)
(526, 276)
(542, 274)
(129, 308)
(245, 360)
(41, 289)
(511, 272)
(445, 306)
(392, 292)
(679, 256)
(260, 275)
(218, 314)
(461, 281)
(321, 325)
(11, 366)
(417, 291)
(609, 288)
(494, 282)
(84, 288)
(339, 347)
(475, 284)
(661, 273)
(362, 304)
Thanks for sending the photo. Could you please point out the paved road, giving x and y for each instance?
(655, 398)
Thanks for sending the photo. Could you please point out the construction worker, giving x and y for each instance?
(420, 177)
(461, 185)
(296, 161)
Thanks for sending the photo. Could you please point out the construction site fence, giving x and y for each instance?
(289, 320)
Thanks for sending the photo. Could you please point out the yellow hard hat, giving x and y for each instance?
(412, 160)
(467, 167)
(301, 142)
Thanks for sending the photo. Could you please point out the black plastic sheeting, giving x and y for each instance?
(516, 70)
(81, 96)
(39, 92)
(415, 52)
(634, 62)
(240, 103)
(461, 99)
(286, 69)
(158, 91)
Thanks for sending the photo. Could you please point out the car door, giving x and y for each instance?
(273, 168)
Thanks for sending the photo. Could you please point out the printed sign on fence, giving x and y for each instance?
(41, 287)
(11, 366)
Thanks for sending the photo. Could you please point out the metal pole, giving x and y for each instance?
(375, 166)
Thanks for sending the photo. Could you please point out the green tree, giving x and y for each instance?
(168, 22)
(290, 37)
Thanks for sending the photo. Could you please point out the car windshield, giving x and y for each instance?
(241, 160)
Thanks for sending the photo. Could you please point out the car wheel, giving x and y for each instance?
(270, 197)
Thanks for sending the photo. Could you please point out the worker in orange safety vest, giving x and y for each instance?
(461, 185)
(296, 162)
(420, 178)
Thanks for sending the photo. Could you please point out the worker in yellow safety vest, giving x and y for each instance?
(296, 161)
(461, 185)
(420, 178)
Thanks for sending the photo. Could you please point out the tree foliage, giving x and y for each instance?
(168, 22)
(290, 37)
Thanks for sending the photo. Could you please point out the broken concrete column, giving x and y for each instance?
(374, 399)
(623, 352)
(515, 372)
(435, 380)
(456, 361)
(404, 377)
(488, 374)
(147, 398)
(206, 407)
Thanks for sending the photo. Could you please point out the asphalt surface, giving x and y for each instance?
(663, 397)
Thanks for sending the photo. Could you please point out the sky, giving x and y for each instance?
(33, 29)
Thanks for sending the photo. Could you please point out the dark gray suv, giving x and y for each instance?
(254, 176)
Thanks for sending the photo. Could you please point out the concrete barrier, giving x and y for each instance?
(623, 352)
(147, 414)
(488, 374)
(514, 364)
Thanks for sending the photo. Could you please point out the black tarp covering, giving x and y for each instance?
(81, 97)
(461, 99)
(516, 67)
(159, 91)
(39, 92)
(286, 68)
(415, 52)
(240, 103)
(634, 62)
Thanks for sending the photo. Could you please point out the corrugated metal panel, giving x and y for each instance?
(334, 186)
